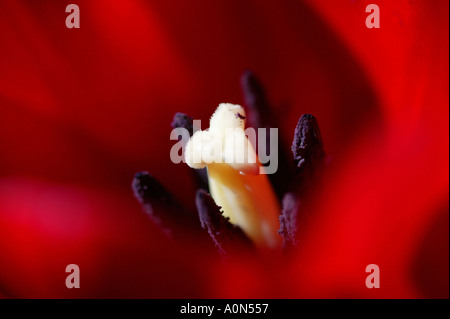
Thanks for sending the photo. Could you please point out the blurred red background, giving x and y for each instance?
(82, 110)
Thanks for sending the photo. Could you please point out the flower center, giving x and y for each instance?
(234, 175)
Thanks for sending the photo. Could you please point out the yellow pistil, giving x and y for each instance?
(234, 174)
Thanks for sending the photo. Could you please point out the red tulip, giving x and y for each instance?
(83, 110)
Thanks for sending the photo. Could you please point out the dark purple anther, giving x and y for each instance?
(187, 122)
(227, 237)
(309, 158)
(307, 146)
(162, 207)
(261, 115)
(255, 99)
(184, 121)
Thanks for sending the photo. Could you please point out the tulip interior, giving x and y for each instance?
(236, 178)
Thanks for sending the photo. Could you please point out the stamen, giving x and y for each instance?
(185, 121)
(262, 115)
(307, 146)
(259, 114)
(226, 236)
(162, 207)
(309, 157)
